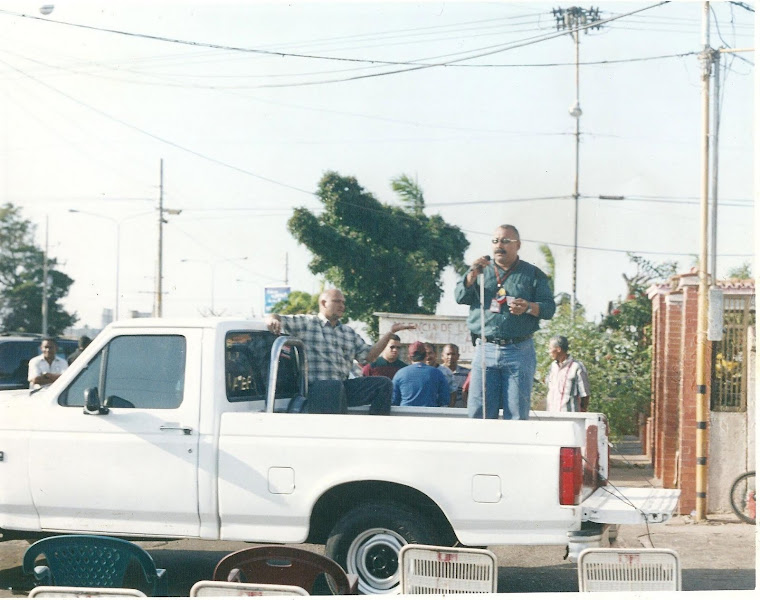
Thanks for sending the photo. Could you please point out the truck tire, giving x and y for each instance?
(367, 539)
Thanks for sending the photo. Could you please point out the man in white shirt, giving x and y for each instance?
(47, 367)
(567, 383)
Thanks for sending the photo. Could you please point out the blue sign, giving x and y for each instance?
(273, 295)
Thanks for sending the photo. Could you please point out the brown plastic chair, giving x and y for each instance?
(286, 565)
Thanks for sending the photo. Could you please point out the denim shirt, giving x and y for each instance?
(524, 281)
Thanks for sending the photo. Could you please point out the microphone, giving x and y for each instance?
(488, 258)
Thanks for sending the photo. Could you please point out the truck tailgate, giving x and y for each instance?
(630, 505)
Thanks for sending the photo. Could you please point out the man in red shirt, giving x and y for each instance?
(388, 362)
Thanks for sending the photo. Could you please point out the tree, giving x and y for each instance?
(551, 265)
(298, 303)
(384, 258)
(617, 352)
(633, 316)
(21, 275)
(409, 193)
(743, 271)
(619, 372)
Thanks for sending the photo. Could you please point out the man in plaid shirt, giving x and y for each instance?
(333, 347)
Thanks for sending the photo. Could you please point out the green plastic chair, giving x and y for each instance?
(92, 561)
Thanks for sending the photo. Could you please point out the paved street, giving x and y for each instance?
(718, 554)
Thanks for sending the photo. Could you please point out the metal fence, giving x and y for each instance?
(729, 356)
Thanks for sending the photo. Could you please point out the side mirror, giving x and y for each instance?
(92, 403)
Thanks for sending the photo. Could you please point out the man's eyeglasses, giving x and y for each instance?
(503, 241)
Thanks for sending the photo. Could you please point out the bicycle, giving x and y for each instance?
(743, 497)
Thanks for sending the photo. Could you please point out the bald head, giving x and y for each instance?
(332, 305)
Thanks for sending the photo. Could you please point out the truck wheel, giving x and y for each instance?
(366, 542)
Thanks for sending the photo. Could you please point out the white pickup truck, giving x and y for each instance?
(207, 429)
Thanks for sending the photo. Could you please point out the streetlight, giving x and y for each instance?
(212, 265)
(118, 223)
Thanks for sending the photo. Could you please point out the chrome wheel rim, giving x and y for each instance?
(373, 556)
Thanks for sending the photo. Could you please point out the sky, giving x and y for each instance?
(247, 104)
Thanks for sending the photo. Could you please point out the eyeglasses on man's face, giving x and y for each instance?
(503, 241)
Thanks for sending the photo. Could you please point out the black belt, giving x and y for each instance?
(503, 341)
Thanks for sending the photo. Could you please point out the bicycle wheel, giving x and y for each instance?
(743, 497)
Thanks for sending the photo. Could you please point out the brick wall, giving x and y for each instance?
(669, 404)
(673, 416)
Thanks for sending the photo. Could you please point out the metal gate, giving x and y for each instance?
(729, 356)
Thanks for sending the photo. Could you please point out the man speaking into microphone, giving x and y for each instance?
(516, 296)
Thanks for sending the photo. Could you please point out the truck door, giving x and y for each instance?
(133, 469)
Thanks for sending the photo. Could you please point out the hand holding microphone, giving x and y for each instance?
(476, 269)
(481, 263)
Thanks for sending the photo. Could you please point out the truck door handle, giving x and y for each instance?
(185, 430)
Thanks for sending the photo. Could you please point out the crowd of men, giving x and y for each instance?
(507, 298)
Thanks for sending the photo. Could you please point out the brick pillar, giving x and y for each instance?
(659, 313)
(669, 409)
(687, 425)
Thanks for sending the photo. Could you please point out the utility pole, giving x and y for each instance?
(575, 19)
(159, 296)
(706, 58)
(715, 58)
(45, 283)
(158, 308)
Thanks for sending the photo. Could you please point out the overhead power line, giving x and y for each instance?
(613, 250)
(413, 65)
(154, 136)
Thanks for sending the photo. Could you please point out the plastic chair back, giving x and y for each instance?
(92, 561)
(285, 565)
(629, 570)
(441, 570)
(230, 588)
(60, 591)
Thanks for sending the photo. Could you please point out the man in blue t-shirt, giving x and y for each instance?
(420, 384)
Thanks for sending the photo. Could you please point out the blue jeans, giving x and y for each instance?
(509, 380)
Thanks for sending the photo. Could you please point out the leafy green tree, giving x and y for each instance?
(743, 271)
(616, 352)
(633, 316)
(21, 275)
(409, 193)
(619, 372)
(551, 265)
(298, 303)
(384, 258)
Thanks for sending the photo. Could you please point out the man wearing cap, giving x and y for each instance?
(516, 296)
(420, 384)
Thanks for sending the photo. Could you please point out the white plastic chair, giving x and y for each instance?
(629, 570)
(61, 591)
(228, 588)
(441, 570)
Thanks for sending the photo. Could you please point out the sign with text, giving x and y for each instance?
(436, 329)
(273, 295)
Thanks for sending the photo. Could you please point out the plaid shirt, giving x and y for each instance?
(331, 350)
